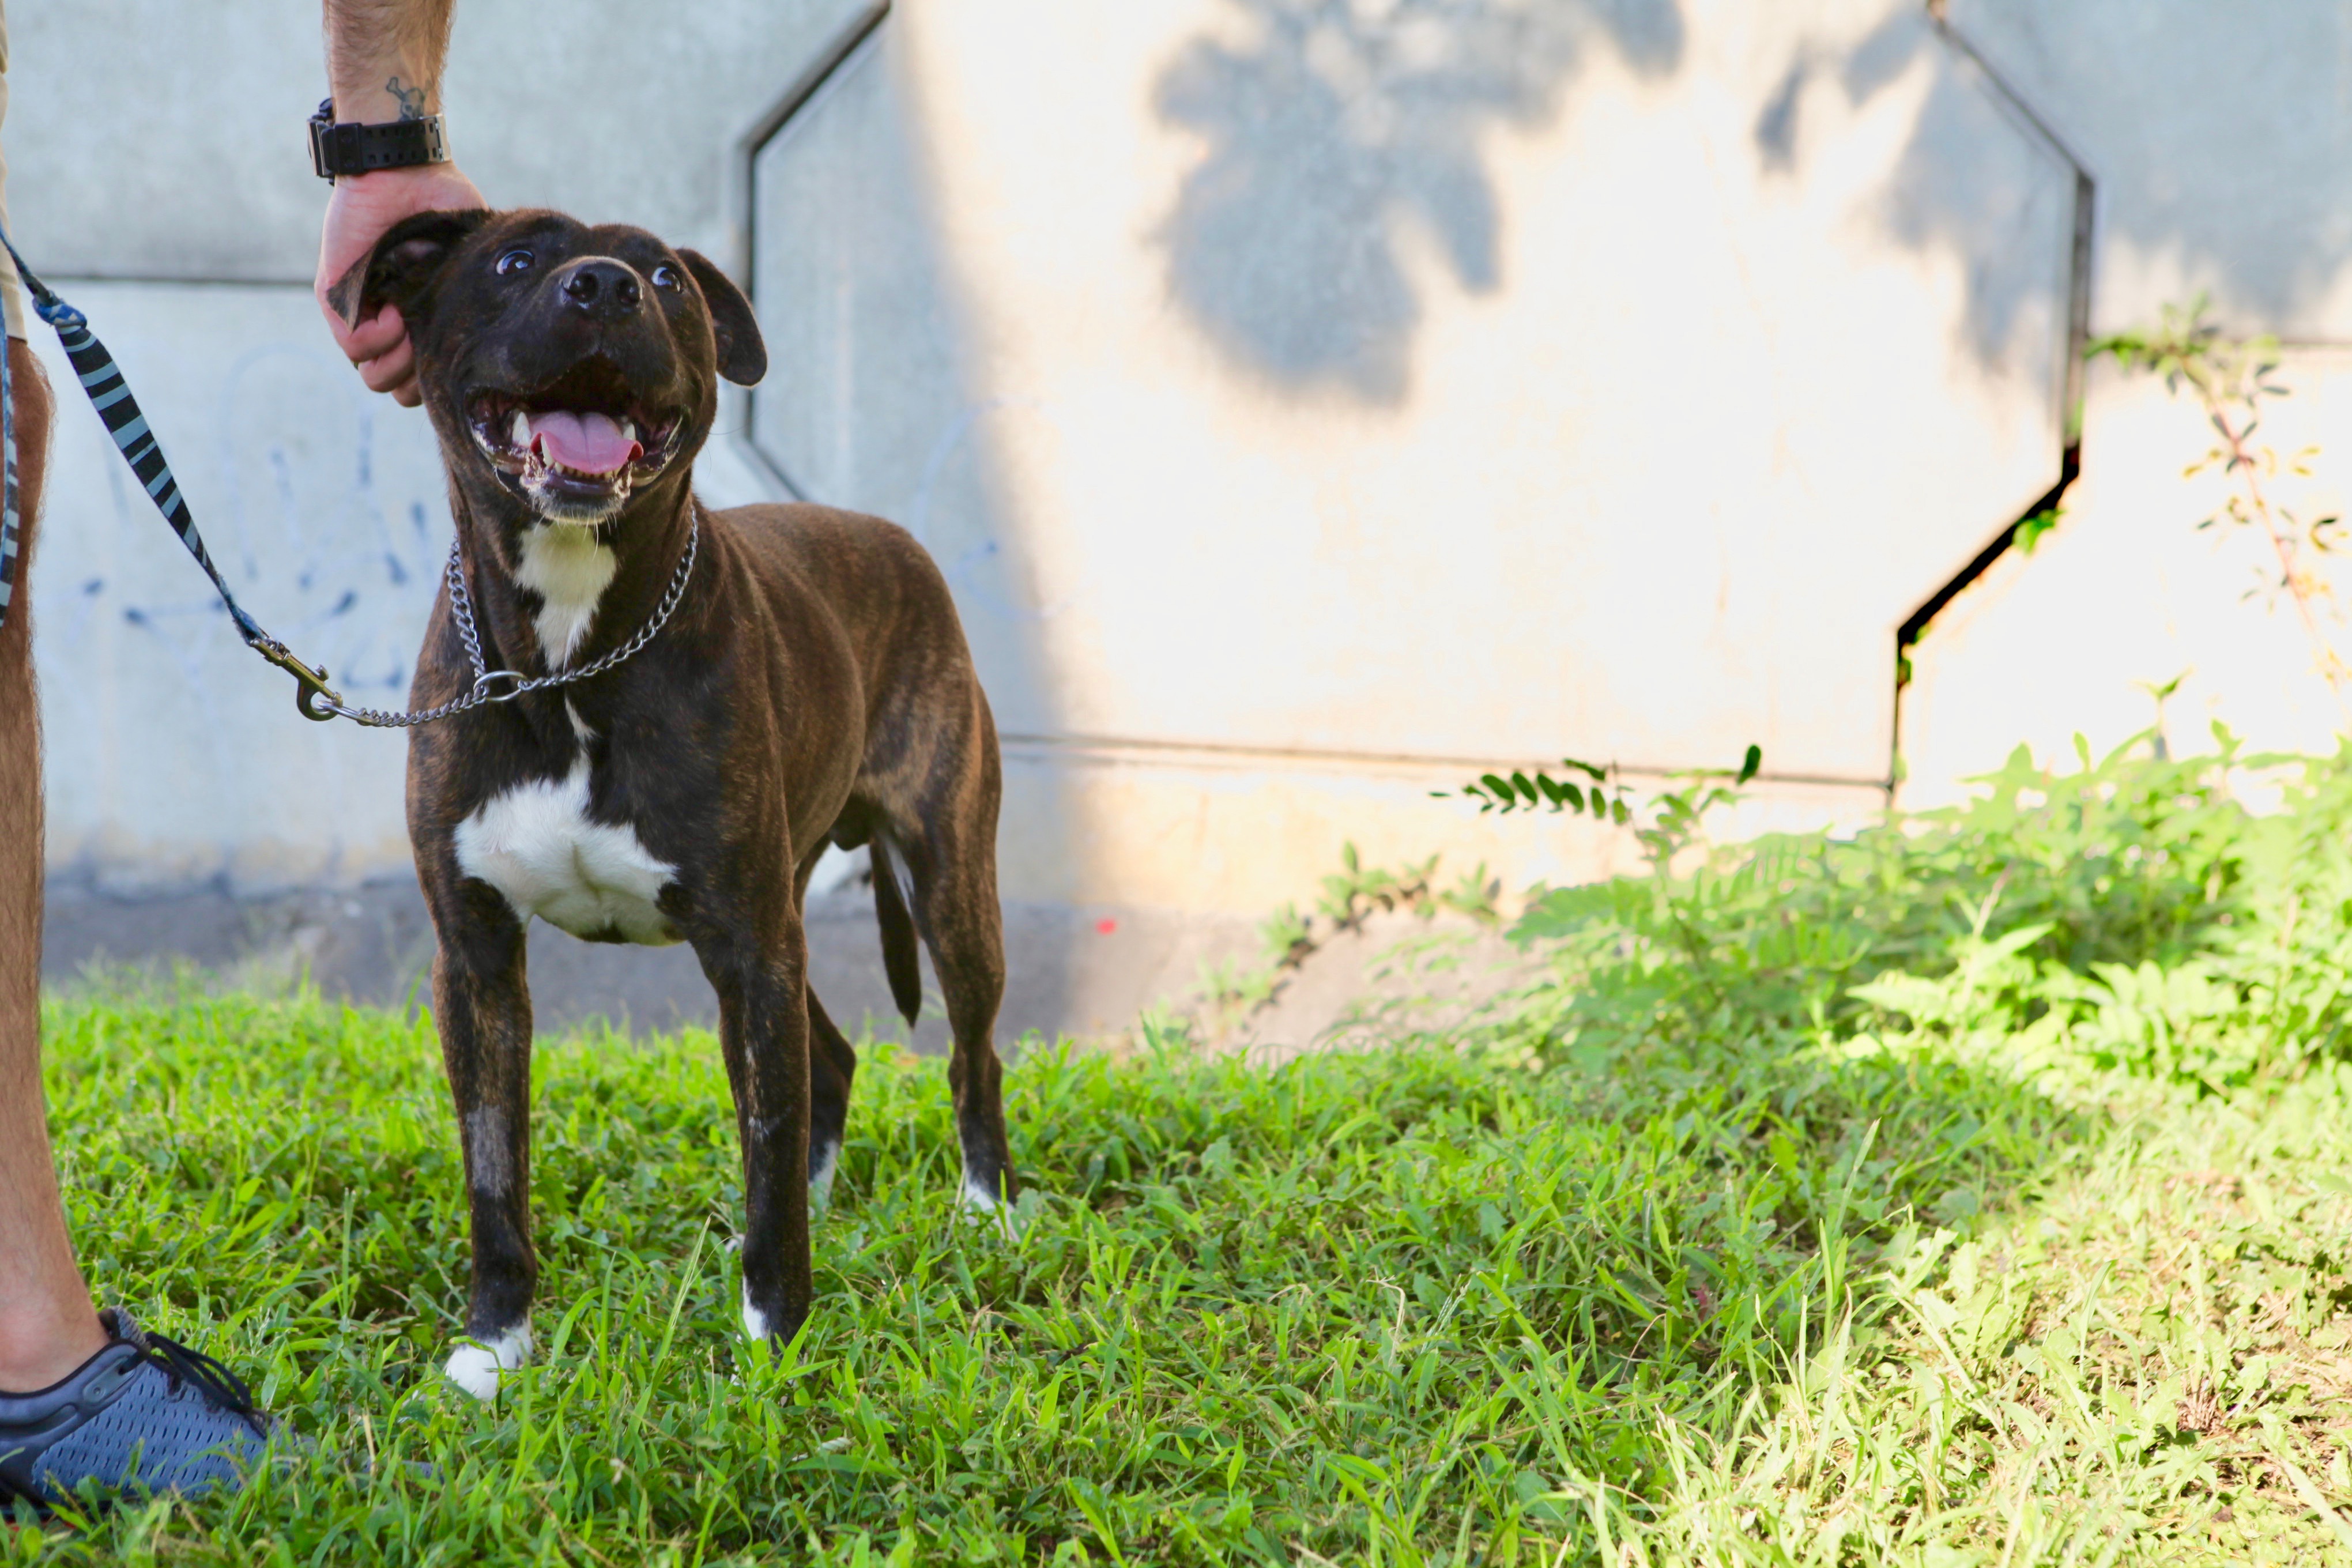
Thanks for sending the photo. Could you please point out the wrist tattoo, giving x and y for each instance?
(412, 99)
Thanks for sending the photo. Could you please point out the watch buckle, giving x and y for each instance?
(321, 124)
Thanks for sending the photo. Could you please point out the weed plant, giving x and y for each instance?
(1967, 1190)
(2131, 913)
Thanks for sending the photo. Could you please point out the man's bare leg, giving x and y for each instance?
(96, 1402)
(48, 1327)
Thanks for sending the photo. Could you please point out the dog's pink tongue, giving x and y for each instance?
(585, 442)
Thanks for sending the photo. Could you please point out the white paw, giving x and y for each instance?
(475, 1365)
(982, 1204)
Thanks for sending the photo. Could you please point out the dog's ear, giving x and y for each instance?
(404, 264)
(743, 353)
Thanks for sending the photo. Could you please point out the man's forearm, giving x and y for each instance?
(384, 57)
(383, 61)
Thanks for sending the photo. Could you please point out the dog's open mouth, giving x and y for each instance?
(577, 446)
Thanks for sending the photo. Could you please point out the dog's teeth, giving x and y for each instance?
(521, 431)
(628, 429)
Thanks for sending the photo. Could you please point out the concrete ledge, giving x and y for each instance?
(1070, 969)
(1241, 831)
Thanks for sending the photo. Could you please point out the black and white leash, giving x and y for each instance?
(110, 394)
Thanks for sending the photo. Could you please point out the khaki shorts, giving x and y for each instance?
(12, 292)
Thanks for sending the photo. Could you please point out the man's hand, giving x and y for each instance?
(362, 207)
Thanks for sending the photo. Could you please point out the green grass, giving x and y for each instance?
(1971, 1194)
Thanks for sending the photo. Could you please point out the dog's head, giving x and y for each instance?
(566, 367)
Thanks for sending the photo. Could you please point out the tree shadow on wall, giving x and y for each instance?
(1977, 177)
(1345, 124)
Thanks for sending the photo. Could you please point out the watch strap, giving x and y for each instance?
(352, 148)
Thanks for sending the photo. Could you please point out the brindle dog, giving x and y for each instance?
(812, 686)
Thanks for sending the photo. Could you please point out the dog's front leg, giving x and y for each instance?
(482, 1003)
(760, 977)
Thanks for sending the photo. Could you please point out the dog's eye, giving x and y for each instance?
(514, 261)
(665, 277)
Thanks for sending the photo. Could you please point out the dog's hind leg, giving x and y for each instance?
(481, 1002)
(950, 851)
(832, 1064)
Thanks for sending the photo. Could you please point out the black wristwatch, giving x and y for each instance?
(354, 149)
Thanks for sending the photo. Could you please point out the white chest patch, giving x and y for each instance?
(535, 844)
(569, 569)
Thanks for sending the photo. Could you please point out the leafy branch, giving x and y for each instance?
(2231, 379)
(1602, 796)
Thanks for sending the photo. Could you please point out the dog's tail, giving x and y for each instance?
(891, 901)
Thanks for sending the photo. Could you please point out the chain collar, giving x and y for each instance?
(486, 686)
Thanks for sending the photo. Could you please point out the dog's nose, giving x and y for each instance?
(605, 291)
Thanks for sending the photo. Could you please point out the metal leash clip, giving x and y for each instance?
(311, 684)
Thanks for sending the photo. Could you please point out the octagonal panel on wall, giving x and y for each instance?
(1444, 381)
(2219, 138)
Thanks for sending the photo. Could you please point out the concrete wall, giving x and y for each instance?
(1312, 401)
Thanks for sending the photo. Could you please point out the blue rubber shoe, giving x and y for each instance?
(144, 1415)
